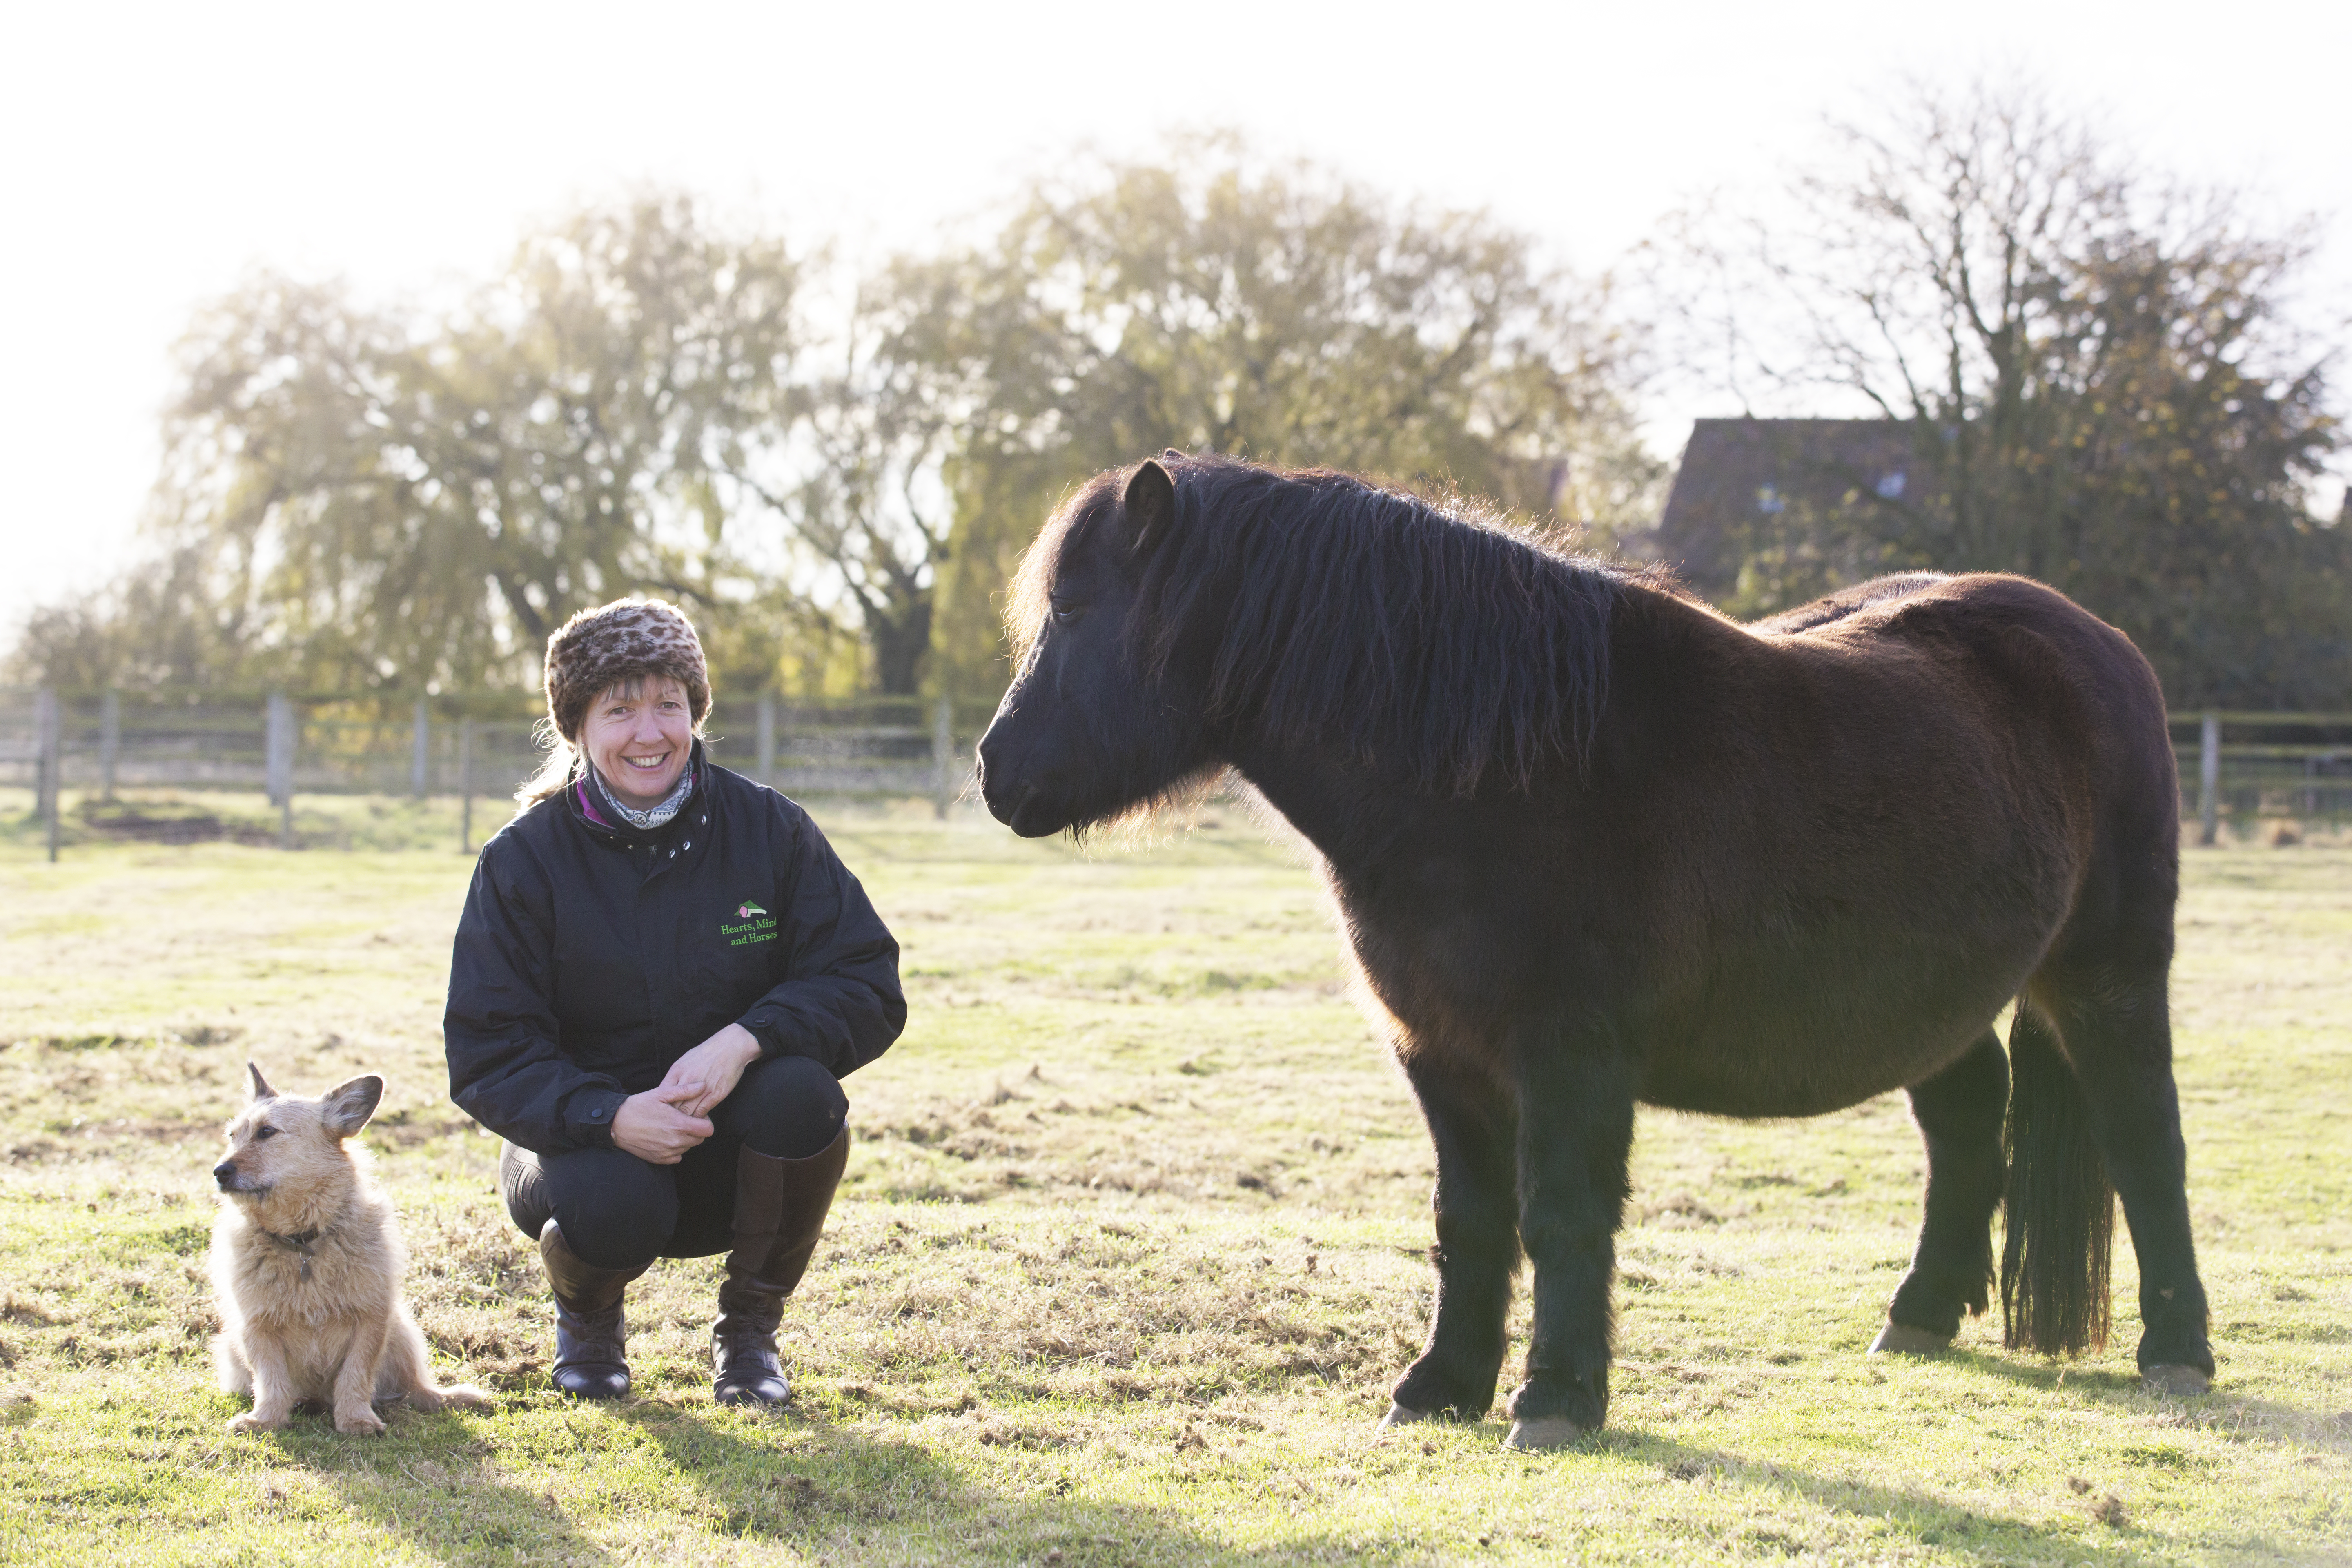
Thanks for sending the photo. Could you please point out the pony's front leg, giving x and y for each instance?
(1470, 1122)
(1576, 1135)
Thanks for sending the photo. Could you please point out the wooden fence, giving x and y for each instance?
(461, 746)
(2236, 766)
(2249, 765)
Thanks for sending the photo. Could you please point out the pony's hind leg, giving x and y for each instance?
(2116, 1035)
(1959, 1112)
(1471, 1124)
(1575, 1136)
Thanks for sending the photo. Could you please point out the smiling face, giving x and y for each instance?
(639, 734)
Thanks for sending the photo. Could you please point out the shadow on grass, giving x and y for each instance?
(1926, 1518)
(826, 1489)
(794, 1480)
(422, 1481)
(2323, 1427)
(832, 1492)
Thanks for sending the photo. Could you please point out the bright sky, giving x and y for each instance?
(149, 156)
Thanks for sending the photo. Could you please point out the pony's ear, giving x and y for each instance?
(1150, 505)
(261, 1090)
(345, 1109)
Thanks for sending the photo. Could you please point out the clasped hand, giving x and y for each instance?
(661, 1124)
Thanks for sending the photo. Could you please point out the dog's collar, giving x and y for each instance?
(304, 1242)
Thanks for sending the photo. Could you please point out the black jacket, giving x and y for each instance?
(591, 956)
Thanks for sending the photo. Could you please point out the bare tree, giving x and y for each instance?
(2095, 363)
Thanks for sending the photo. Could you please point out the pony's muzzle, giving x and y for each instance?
(1009, 813)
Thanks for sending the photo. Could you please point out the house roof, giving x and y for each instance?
(1737, 475)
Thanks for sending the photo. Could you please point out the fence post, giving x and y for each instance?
(767, 773)
(278, 764)
(943, 755)
(2208, 779)
(466, 786)
(45, 792)
(420, 757)
(109, 742)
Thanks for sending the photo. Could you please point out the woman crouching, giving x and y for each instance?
(661, 975)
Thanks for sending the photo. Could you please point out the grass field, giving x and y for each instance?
(1132, 1245)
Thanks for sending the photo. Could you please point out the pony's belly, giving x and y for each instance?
(1807, 1071)
(1820, 1019)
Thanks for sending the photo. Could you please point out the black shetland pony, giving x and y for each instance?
(1596, 844)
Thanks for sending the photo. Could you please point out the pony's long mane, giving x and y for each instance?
(1435, 639)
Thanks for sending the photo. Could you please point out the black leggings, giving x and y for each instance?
(620, 1212)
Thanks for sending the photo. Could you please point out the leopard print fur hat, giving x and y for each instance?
(597, 648)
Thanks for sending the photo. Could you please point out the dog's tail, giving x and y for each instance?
(407, 1369)
(427, 1397)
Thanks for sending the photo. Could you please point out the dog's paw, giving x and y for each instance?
(360, 1423)
(251, 1421)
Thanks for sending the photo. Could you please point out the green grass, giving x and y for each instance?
(1133, 1245)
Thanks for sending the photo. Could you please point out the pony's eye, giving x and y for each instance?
(264, 1131)
(1062, 614)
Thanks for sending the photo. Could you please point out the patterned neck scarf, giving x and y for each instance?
(652, 816)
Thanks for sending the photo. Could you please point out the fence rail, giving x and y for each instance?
(464, 746)
(2233, 764)
(2246, 765)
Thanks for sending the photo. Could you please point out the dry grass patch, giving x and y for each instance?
(1133, 1243)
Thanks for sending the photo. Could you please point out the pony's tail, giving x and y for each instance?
(2058, 1209)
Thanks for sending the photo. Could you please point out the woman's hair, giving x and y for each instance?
(566, 762)
(598, 650)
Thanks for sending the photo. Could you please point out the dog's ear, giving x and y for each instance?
(345, 1109)
(261, 1090)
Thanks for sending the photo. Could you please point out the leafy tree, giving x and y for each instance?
(362, 501)
(572, 425)
(154, 626)
(359, 499)
(1280, 313)
(856, 491)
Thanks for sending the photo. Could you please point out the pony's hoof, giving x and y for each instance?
(1539, 1434)
(1902, 1339)
(2177, 1382)
(1404, 1416)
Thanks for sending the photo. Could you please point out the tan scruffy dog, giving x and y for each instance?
(307, 1263)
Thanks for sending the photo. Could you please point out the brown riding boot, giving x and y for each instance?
(591, 1334)
(779, 1210)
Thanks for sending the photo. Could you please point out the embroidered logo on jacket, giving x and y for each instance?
(753, 924)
